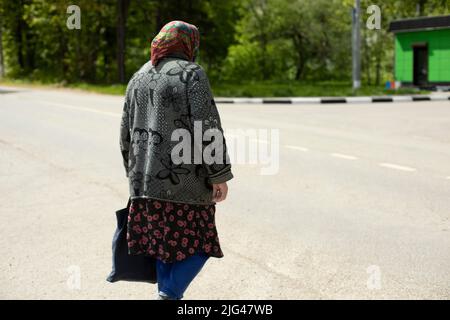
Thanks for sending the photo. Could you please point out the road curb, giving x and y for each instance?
(334, 100)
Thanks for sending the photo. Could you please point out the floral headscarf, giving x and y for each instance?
(176, 38)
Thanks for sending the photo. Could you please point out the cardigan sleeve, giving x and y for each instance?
(203, 110)
(125, 137)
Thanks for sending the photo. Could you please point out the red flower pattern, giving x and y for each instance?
(171, 231)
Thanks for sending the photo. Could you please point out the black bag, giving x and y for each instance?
(138, 268)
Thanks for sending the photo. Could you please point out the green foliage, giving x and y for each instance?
(38, 45)
(242, 41)
(245, 89)
(292, 88)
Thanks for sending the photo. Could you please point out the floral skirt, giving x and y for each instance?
(171, 231)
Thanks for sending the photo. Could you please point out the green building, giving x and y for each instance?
(422, 51)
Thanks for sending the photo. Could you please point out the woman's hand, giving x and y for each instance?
(220, 191)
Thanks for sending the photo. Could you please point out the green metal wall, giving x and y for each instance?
(438, 51)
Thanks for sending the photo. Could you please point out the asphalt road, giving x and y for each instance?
(358, 209)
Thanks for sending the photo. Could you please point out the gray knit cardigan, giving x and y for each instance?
(159, 100)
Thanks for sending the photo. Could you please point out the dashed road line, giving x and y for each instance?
(397, 167)
(297, 148)
(61, 105)
(343, 156)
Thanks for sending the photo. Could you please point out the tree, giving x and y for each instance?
(291, 39)
(319, 34)
(2, 60)
(122, 12)
(240, 39)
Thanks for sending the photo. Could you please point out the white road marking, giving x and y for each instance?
(437, 97)
(305, 100)
(248, 100)
(297, 148)
(401, 99)
(344, 156)
(397, 167)
(337, 155)
(61, 105)
(359, 99)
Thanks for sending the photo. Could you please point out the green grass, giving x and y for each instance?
(115, 89)
(301, 89)
(245, 89)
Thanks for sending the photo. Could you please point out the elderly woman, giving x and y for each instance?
(172, 210)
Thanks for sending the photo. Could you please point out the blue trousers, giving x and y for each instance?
(174, 278)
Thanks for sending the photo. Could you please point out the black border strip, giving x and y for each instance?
(333, 100)
(265, 101)
(225, 101)
(419, 98)
(382, 99)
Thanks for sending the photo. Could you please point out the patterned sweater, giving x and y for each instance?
(159, 100)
